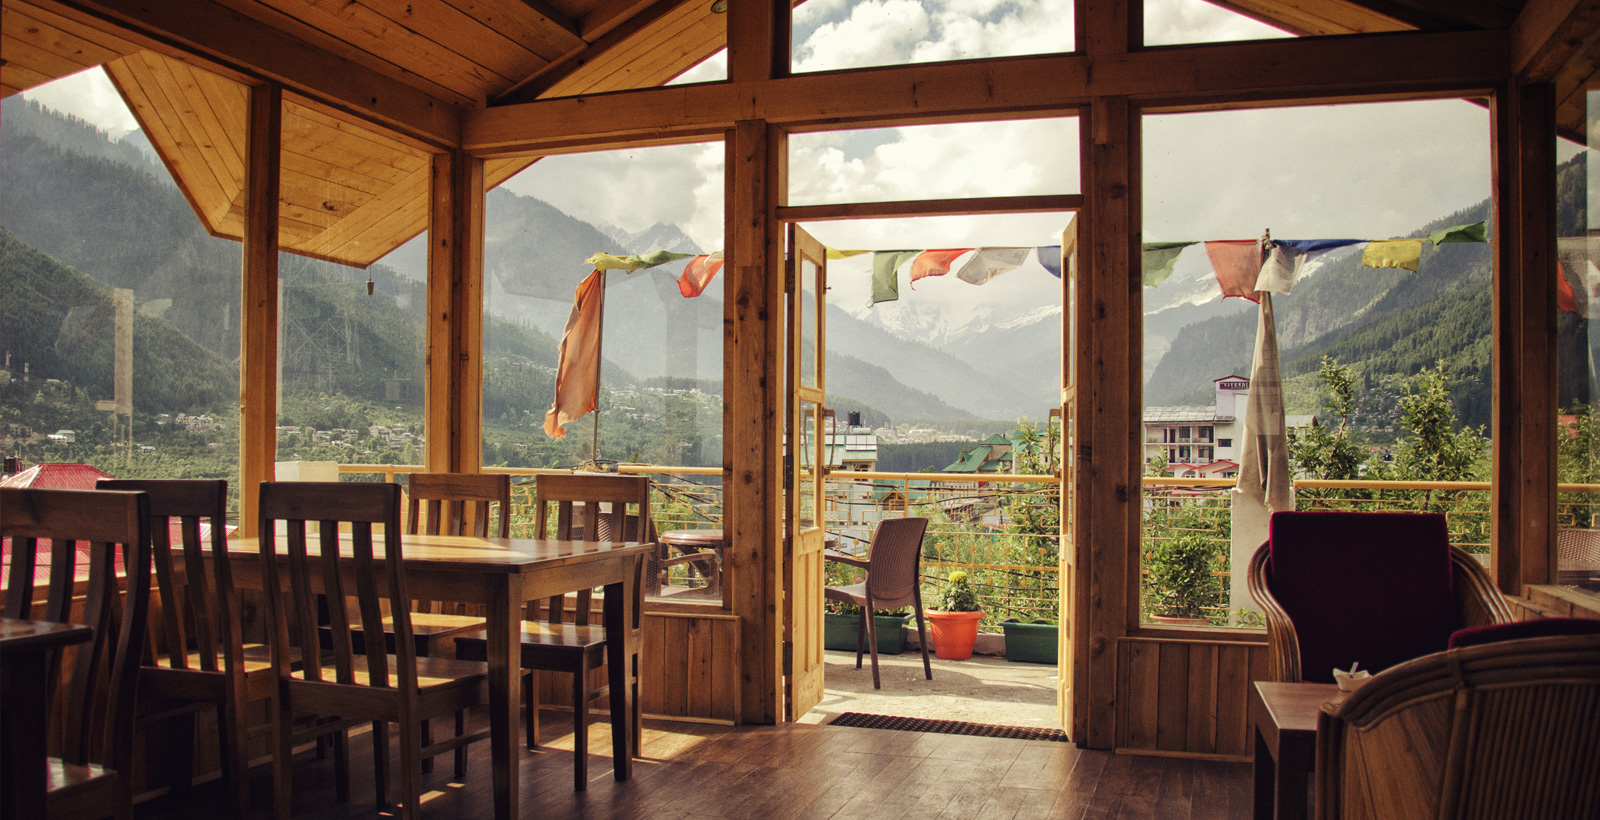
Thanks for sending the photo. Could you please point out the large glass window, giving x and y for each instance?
(1578, 340)
(1182, 22)
(119, 313)
(1366, 226)
(635, 349)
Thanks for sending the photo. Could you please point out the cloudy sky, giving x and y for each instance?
(1363, 171)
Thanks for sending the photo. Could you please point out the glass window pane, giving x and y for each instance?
(860, 33)
(1578, 341)
(947, 161)
(1181, 22)
(88, 210)
(1367, 353)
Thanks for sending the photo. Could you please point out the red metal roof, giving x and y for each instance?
(56, 477)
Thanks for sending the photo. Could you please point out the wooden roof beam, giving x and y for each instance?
(530, 87)
(1355, 65)
(251, 52)
(1548, 33)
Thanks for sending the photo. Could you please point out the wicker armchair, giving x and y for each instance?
(1378, 588)
(1495, 731)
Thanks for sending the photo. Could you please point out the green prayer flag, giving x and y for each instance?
(638, 261)
(1475, 232)
(885, 282)
(1159, 258)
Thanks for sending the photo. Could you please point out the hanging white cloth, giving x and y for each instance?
(1265, 485)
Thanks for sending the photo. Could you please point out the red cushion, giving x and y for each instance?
(1369, 587)
(1516, 630)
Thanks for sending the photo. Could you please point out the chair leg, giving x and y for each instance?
(380, 760)
(861, 638)
(922, 641)
(234, 728)
(530, 700)
(461, 751)
(427, 738)
(341, 766)
(283, 761)
(411, 769)
(871, 626)
(580, 728)
(181, 754)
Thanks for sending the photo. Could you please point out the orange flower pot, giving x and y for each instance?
(953, 633)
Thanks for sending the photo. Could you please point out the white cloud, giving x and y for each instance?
(635, 188)
(1173, 22)
(87, 95)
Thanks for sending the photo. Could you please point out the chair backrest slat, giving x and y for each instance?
(457, 499)
(359, 507)
(99, 716)
(575, 500)
(895, 560)
(196, 600)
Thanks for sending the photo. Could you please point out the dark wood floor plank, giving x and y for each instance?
(786, 772)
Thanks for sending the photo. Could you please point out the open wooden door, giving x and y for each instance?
(1069, 710)
(805, 470)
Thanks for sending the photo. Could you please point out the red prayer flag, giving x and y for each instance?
(1237, 263)
(577, 369)
(935, 262)
(698, 274)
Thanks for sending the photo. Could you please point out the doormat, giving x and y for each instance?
(946, 727)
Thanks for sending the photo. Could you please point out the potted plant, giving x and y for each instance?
(1181, 586)
(954, 620)
(1037, 642)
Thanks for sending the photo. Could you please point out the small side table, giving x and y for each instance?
(25, 646)
(1285, 717)
(701, 550)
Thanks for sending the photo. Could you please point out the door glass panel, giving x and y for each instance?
(808, 323)
(806, 473)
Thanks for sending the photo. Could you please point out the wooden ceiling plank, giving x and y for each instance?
(1323, 20)
(496, 171)
(366, 173)
(613, 69)
(208, 138)
(163, 124)
(608, 16)
(20, 78)
(331, 197)
(187, 29)
(232, 104)
(44, 62)
(546, 30)
(224, 134)
(381, 221)
(23, 26)
(535, 85)
(113, 45)
(1375, 63)
(368, 32)
(1548, 33)
(408, 156)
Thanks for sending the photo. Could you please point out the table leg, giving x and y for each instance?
(22, 752)
(622, 653)
(505, 662)
(1294, 762)
(1265, 779)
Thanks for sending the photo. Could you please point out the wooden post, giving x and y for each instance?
(759, 37)
(258, 309)
(1109, 398)
(454, 363)
(1525, 372)
(752, 416)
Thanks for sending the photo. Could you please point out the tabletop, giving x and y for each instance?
(18, 635)
(465, 552)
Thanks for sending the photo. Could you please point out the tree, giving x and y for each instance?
(1323, 451)
(1435, 450)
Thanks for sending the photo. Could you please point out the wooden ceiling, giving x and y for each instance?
(374, 87)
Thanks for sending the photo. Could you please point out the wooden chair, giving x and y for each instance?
(1376, 588)
(382, 688)
(1493, 731)
(575, 648)
(455, 504)
(892, 569)
(204, 662)
(92, 776)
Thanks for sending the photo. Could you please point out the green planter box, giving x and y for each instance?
(839, 632)
(1031, 643)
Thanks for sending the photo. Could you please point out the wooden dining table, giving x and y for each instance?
(25, 648)
(502, 574)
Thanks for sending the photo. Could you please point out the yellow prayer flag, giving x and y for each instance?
(607, 261)
(835, 253)
(1393, 253)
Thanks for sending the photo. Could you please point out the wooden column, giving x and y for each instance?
(1525, 334)
(759, 38)
(454, 361)
(258, 309)
(1109, 398)
(752, 410)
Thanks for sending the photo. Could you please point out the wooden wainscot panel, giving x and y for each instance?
(691, 666)
(1186, 697)
(1554, 602)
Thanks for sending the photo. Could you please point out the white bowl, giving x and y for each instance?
(1350, 681)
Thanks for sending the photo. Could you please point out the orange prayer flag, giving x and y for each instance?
(935, 262)
(698, 274)
(577, 369)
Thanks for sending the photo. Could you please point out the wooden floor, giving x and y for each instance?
(783, 772)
